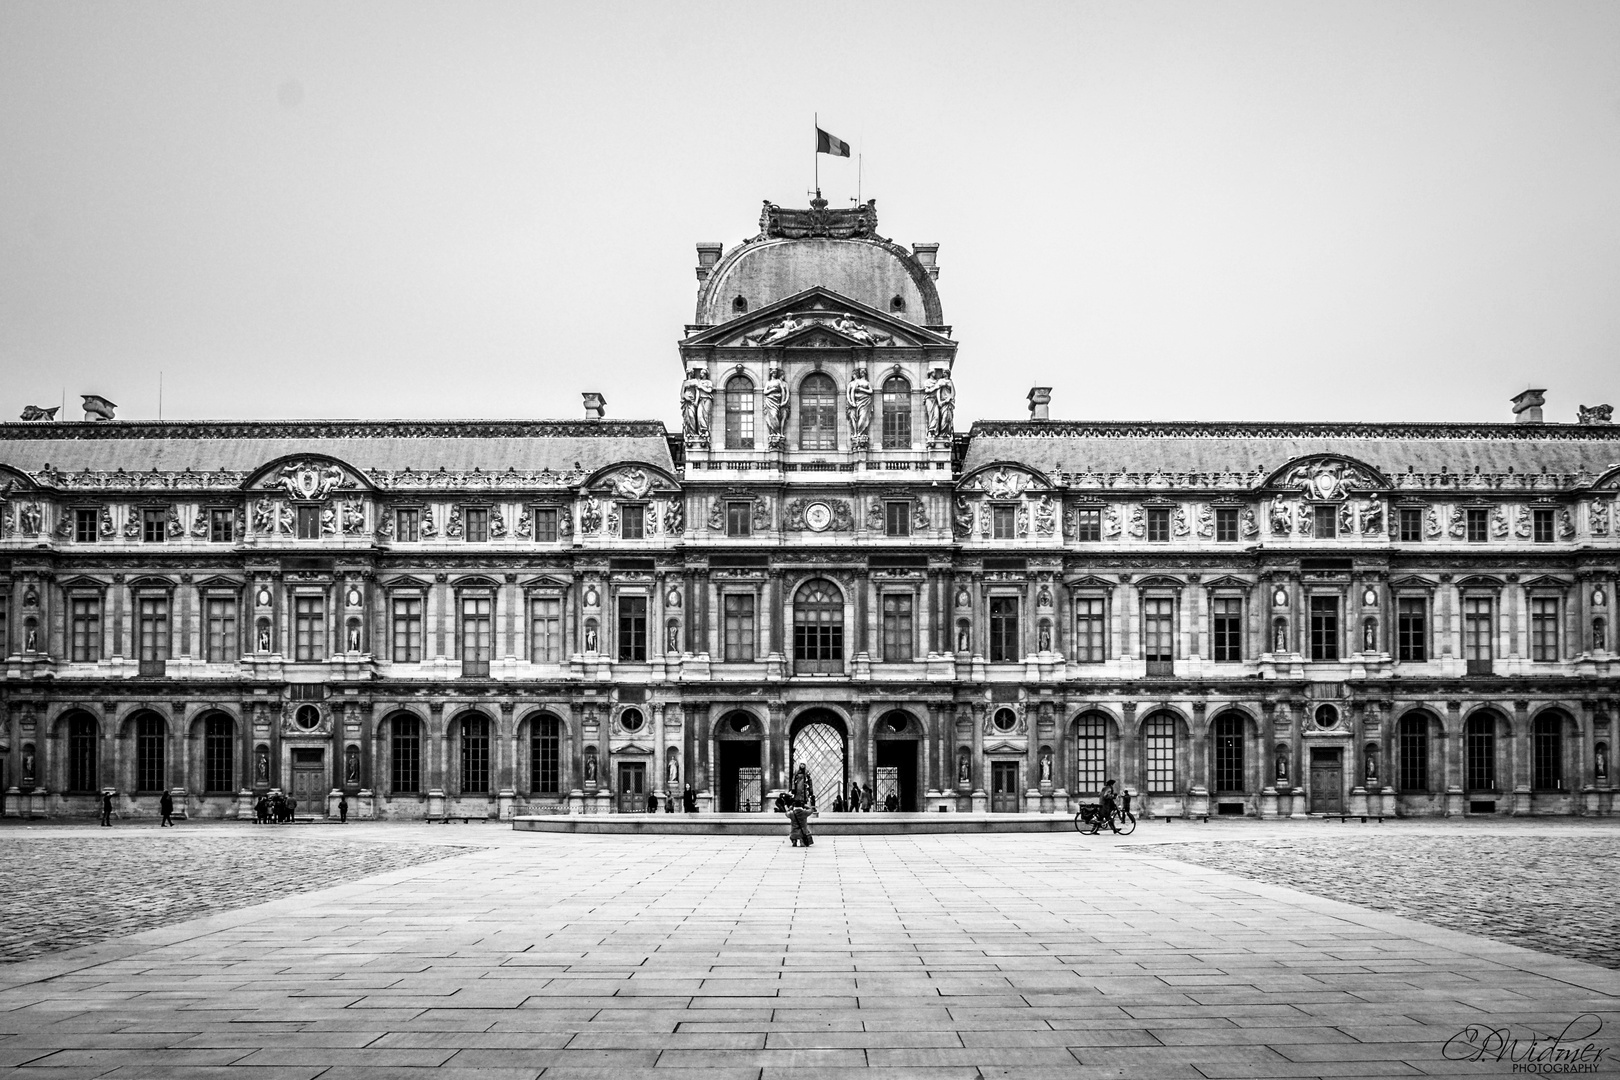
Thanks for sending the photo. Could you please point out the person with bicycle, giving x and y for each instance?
(1108, 808)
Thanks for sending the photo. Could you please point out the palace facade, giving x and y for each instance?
(818, 580)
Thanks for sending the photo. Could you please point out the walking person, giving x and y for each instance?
(166, 806)
(1105, 809)
(854, 795)
(106, 808)
(799, 818)
(343, 809)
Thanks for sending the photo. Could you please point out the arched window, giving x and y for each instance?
(149, 739)
(739, 413)
(219, 754)
(1479, 753)
(82, 738)
(545, 755)
(1090, 753)
(1159, 747)
(474, 754)
(405, 756)
(818, 413)
(1547, 753)
(818, 628)
(896, 414)
(1413, 771)
(1228, 738)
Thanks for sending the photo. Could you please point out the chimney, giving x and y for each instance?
(1527, 406)
(595, 405)
(708, 255)
(1039, 398)
(927, 256)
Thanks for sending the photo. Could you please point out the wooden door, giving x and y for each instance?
(1004, 787)
(1327, 780)
(309, 780)
(632, 787)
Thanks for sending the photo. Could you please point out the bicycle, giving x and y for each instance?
(1090, 817)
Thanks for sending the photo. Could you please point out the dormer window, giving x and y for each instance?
(633, 522)
(739, 304)
(307, 521)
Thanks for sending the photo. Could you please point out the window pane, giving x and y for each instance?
(477, 634)
(408, 525)
(632, 522)
(545, 756)
(897, 627)
(476, 525)
(219, 755)
(309, 628)
(86, 644)
(1090, 754)
(1158, 630)
(818, 414)
(545, 525)
(739, 414)
(739, 628)
(633, 628)
(405, 756)
(818, 628)
(1412, 629)
(896, 414)
(1228, 737)
(1544, 628)
(474, 755)
(1414, 754)
(1159, 746)
(1088, 524)
(545, 629)
(1479, 752)
(1088, 629)
(222, 641)
(407, 630)
(1324, 628)
(154, 628)
(1004, 629)
(1226, 627)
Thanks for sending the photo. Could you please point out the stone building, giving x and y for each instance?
(818, 581)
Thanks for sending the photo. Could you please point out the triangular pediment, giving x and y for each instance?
(406, 581)
(1092, 581)
(544, 582)
(817, 318)
(1227, 581)
(1413, 581)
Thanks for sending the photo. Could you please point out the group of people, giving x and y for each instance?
(275, 809)
(689, 802)
(863, 800)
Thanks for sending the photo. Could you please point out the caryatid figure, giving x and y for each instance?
(776, 404)
(939, 403)
(858, 395)
(697, 402)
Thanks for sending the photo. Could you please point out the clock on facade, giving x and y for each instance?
(818, 515)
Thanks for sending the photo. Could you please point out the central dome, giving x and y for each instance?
(837, 250)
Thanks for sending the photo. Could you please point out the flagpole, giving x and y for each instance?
(816, 119)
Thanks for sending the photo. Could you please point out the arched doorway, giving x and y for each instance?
(899, 751)
(739, 758)
(819, 745)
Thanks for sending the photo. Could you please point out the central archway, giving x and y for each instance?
(820, 746)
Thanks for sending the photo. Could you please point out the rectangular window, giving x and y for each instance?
(219, 757)
(545, 758)
(897, 519)
(152, 526)
(1090, 754)
(545, 629)
(633, 523)
(307, 523)
(1544, 628)
(1414, 754)
(222, 526)
(1478, 627)
(898, 632)
(1003, 523)
(474, 756)
(1542, 526)
(1477, 520)
(309, 628)
(475, 525)
(1003, 629)
(405, 758)
(1411, 524)
(1326, 522)
(407, 629)
(739, 615)
(153, 614)
(1226, 629)
(1412, 629)
(84, 526)
(223, 646)
(1158, 524)
(896, 415)
(1089, 613)
(633, 628)
(86, 614)
(477, 635)
(1159, 745)
(545, 525)
(1226, 524)
(1324, 628)
(739, 519)
(1159, 634)
(1088, 524)
(408, 525)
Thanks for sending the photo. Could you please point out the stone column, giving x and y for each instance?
(1453, 758)
(657, 783)
(1519, 757)
(1129, 766)
(776, 756)
(862, 766)
(931, 748)
(1198, 795)
(506, 759)
(777, 612)
(981, 800)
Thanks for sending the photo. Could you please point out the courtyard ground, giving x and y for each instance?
(1187, 950)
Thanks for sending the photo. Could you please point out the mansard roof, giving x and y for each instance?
(1126, 453)
(389, 453)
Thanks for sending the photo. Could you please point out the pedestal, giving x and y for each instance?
(332, 798)
(244, 805)
(1297, 804)
(1521, 802)
(1358, 802)
(435, 803)
(37, 805)
(981, 803)
(576, 801)
(1268, 804)
(1454, 802)
(503, 804)
(1389, 805)
(14, 802)
(1198, 802)
(366, 804)
(181, 797)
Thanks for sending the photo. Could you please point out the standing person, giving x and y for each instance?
(689, 800)
(1105, 808)
(652, 802)
(854, 795)
(166, 806)
(343, 809)
(261, 811)
(669, 802)
(106, 808)
(866, 798)
(800, 814)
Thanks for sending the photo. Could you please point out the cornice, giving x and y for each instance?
(335, 429)
(1286, 429)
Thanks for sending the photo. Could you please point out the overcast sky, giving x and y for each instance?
(1351, 211)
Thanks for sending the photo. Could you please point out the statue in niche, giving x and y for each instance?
(1045, 516)
(1279, 636)
(1046, 766)
(1282, 765)
(672, 773)
(964, 640)
(697, 403)
(672, 637)
(31, 638)
(1372, 766)
(964, 517)
(261, 766)
(30, 518)
(964, 775)
(776, 406)
(351, 765)
(590, 636)
(939, 404)
(284, 518)
(28, 766)
(858, 408)
(1600, 760)
(1282, 519)
(354, 637)
(590, 765)
(1369, 636)
(264, 635)
(1045, 638)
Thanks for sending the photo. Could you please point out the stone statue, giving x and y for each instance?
(590, 765)
(939, 403)
(697, 403)
(1369, 636)
(963, 639)
(264, 637)
(34, 412)
(1045, 516)
(261, 765)
(1372, 766)
(964, 517)
(675, 518)
(776, 405)
(781, 330)
(858, 395)
(263, 515)
(1282, 520)
(328, 521)
(1043, 599)
(1046, 637)
(1601, 761)
(1584, 414)
(590, 637)
(963, 775)
(1046, 766)
(1279, 636)
(284, 518)
(672, 637)
(672, 774)
(30, 518)
(351, 765)
(1282, 765)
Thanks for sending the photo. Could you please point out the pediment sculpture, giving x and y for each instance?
(310, 480)
(630, 483)
(1328, 480)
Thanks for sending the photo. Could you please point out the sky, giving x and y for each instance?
(1197, 211)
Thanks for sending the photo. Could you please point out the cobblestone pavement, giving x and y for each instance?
(1554, 893)
(946, 957)
(64, 888)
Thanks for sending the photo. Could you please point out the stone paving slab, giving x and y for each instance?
(927, 956)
